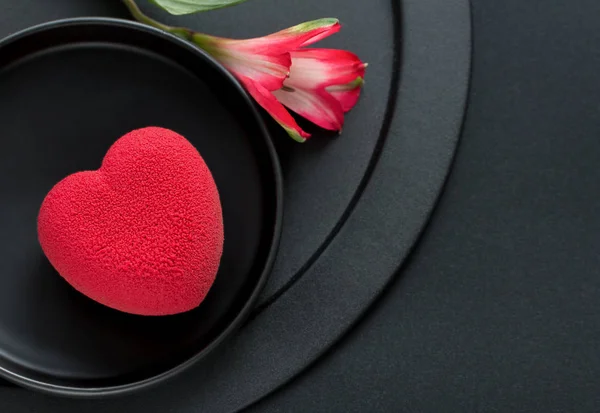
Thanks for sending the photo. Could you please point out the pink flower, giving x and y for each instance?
(318, 84)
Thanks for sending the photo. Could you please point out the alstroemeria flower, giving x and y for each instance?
(318, 84)
(323, 84)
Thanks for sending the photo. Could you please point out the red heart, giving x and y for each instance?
(144, 233)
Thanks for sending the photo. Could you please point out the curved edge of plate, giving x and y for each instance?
(275, 171)
(362, 260)
(311, 316)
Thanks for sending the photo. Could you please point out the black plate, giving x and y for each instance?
(68, 90)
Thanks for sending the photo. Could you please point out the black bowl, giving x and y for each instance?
(68, 90)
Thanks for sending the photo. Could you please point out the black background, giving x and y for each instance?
(497, 309)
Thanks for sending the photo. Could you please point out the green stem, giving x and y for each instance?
(139, 15)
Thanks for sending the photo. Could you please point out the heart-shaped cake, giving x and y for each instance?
(144, 233)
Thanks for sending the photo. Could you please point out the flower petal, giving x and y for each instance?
(318, 84)
(265, 59)
(284, 40)
(267, 101)
(318, 106)
(312, 68)
(347, 94)
(312, 31)
(269, 69)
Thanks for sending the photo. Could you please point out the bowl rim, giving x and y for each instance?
(98, 392)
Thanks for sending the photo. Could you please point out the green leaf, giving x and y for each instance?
(180, 7)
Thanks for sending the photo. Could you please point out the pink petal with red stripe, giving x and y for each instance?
(312, 68)
(347, 94)
(268, 102)
(317, 106)
(323, 84)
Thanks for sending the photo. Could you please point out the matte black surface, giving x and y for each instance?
(498, 309)
(412, 153)
(324, 177)
(69, 91)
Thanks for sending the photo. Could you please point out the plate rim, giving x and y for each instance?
(277, 175)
